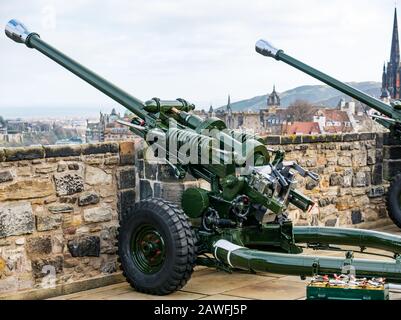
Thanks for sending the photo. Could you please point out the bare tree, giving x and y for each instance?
(301, 110)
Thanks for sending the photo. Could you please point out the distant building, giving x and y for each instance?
(332, 121)
(301, 128)
(391, 84)
(73, 140)
(108, 129)
(273, 117)
(267, 120)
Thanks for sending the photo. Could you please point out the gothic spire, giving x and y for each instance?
(395, 45)
(228, 103)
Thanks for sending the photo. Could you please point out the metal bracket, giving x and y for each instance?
(348, 268)
(315, 267)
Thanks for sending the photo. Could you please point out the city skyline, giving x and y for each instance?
(200, 52)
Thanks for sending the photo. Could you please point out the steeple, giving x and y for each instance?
(273, 99)
(228, 104)
(395, 44)
(391, 73)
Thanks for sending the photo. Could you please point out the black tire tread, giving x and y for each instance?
(392, 200)
(184, 238)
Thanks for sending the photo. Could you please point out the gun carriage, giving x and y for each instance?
(240, 221)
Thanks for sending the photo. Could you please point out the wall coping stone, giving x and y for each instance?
(51, 151)
(319, 138)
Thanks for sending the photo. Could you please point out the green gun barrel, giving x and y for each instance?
(265, 48)
(16, 31)
(243, 258)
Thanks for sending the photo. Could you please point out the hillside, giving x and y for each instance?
(317, 94)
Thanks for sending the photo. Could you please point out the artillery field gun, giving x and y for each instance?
(389, 115)
(240, 222)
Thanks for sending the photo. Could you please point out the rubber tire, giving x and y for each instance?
(179, 240)
(393, 200)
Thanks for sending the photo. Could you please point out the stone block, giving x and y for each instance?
(344, 161)
(2, 266)
(356, 216)
(334, 137)
(359, 159)
(98, 148)
(172, 191)
(68, 183)
(151, 170)
(108, 267)
(390, 139)
(60, 208)
(56, 151)
(73, 166)
(84, 246)
(392, 152)
(111, 160)
(39, 245)
(379, 139)
(370, 215)
(140, 165)
(292, 139)
(377, 174)
(330, 223)
(26, 189)
(272, 140)
(165, 173)
(336, 179)
(16, 218)
(6, 176)
(391, 168)
(371, 157)
(361, 179)
(98, 214)
(127, 153)
(48, 222)
(88, 198)
(108, 239)
(376, 192)
(367, 136)
(145, 189)
(126, 201)
(43, 266)
(24, 153)
(68, 199)
(95, 176)
(126, 178)
(313, 138)
(45, 169)
(347, 137)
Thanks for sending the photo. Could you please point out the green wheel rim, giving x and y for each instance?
(148, 249)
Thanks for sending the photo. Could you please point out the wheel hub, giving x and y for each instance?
(148, 249)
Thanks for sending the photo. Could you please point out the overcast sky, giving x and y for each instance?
(198, 50)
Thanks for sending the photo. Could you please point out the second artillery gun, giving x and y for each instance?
(240, 221)
(389, 115)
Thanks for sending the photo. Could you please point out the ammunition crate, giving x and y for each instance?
(318, 292)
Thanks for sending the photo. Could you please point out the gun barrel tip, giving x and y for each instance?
(17, 31)
(266, 48)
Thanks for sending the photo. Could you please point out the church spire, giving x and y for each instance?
(395, 44)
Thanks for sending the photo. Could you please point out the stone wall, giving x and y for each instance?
(59, 213)
(351, 189)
